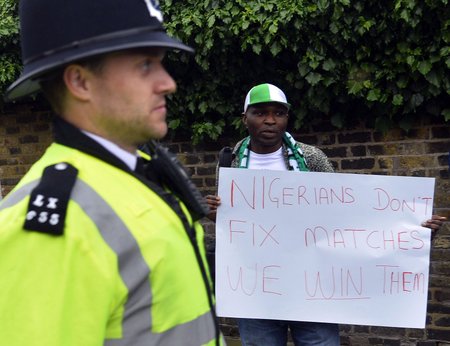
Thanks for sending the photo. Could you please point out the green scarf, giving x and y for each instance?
(295, 157)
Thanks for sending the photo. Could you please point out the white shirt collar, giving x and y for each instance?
(128, 158)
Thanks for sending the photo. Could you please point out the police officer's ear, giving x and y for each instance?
(77, 81)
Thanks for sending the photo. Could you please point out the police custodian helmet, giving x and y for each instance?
(56, 32)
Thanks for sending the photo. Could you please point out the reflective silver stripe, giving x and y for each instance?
(194, 333)
(135, 273)
(18, 195)
(133, 269)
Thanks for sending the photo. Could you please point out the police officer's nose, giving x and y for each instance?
(166, 84)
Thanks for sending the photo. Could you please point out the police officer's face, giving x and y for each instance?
(266, 124)
(129, 97)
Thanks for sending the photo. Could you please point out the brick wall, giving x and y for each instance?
(423, 151)
(25, 132)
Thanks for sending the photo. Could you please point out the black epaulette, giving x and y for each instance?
(47, 207)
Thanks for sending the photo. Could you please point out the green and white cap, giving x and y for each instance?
(264, 93)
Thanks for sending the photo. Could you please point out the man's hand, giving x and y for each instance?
(434, 224)
(213, 203)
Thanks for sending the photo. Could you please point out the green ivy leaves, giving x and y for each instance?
(378, 61)
(9, 43)
(381, 62)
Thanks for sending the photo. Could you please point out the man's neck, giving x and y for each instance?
(124, 155)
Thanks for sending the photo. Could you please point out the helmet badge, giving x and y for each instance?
(153, 9)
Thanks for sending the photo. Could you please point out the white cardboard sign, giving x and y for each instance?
(323, 247)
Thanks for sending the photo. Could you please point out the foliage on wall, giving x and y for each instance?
(384, 63)
(9, 43)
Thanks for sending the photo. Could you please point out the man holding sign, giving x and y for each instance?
(269, 146)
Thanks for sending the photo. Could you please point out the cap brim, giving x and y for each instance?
(28, 82)
(287, 105)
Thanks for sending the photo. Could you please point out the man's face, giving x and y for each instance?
(266, 124)
(129, 105)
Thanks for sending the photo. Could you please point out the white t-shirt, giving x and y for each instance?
(273, 161)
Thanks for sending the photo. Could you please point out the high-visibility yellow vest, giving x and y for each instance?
(123, 273)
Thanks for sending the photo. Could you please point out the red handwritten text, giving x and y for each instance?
(399, 281)
(251, 232)
(247, 281)
(359, 238)
(386, 202)
(265, 191)
(336, 285)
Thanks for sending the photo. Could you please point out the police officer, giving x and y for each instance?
(93, 252)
